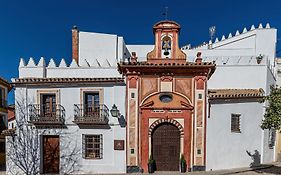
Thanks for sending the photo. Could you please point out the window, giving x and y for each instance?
(235, 123)
(132, 95)
(199, 96)
(92, 146)
(166, 98)
(48, 105)
(92, 99)
(91, 104)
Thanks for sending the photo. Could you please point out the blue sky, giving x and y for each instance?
(43, 28)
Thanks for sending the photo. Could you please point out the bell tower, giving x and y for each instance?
(166, 48)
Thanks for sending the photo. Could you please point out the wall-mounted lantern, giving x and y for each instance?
(114, 111)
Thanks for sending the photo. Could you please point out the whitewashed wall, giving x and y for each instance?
(113, 161)
(141, 50)
(101, 47)
(226, 149)
(254, 41)
(237, 77)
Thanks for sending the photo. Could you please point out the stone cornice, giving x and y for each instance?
(50, 82)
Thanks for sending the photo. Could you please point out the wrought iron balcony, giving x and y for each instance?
(3, 103)
(91, 114)
(46, 114)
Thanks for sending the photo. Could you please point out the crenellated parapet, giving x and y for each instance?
(236, 35)
(41, 69)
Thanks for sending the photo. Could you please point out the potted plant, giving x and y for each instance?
(151, 165)
(183, 164)
(259, 58)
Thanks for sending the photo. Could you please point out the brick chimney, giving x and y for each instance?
(75, 44)
(134, 57)
(198, 59)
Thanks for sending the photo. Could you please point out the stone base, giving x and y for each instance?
(198, 168)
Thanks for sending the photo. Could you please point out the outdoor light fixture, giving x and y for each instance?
(114, 111)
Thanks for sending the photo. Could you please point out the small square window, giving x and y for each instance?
(200, 96)
(235, 123)
(132, 95)
(198, 151)
(132, 151)
(92, 146)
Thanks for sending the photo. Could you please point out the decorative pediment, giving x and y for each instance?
(167, 101)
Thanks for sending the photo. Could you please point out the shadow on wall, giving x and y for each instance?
(256, 157)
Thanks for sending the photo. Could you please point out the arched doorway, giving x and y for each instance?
(166, 147)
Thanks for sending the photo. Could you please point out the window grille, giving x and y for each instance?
(92, 146)
(235, 123)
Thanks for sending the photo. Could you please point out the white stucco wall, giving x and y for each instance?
(97, 46)
(113, 161)
(237, 77)
(257, 41)
(141, 50)
(226, 149)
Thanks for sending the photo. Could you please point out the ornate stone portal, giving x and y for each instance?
(166, 90)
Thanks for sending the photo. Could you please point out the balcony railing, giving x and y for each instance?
(3, 103)
(91, 114)
(46, 114)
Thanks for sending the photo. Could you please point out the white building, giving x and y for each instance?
(238, 70)
(68, 108)
(69, 105)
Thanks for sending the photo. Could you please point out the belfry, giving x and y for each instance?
(166, 104)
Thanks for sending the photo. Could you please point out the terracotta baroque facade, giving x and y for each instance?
(166, 90)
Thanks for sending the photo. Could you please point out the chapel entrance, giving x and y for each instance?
(51, 154)
(166, 147)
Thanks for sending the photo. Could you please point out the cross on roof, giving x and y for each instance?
(166, 13)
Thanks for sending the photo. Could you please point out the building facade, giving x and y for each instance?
(115, 105)
(164, 94)
(66, 110)
(5, 87)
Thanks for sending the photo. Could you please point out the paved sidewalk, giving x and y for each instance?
(274, 168)
(245, 171)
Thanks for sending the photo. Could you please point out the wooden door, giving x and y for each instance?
(51, 154)
(166, 147)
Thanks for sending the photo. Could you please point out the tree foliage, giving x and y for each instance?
(272, 116)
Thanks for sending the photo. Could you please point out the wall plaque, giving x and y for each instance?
(119, 144)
